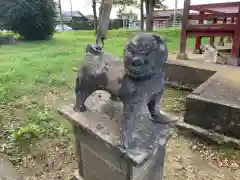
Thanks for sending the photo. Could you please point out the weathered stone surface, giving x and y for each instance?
(101, 157)
(109, 153)
(138, 82)
(186, 75)
(76, 175)
(104, 169)
(152, 168)
(215, 105)
(7, 170)
(210, 135)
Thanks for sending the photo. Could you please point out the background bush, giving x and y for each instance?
(31, 19)
(89, 25)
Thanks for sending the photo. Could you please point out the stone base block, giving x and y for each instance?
(76, 176)
(97, 142)
(179, 73)
(152, 169)
(212, 116)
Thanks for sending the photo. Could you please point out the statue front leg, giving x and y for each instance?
(128, 123)
(82, 92)
(80, 100)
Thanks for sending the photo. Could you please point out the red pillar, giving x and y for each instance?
(221, 41)
(197, 49)
(233, 60)
(183, 42)
(212, 37)
(232, 21)
(229, 38)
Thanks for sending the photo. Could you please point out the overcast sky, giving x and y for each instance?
(84, 6)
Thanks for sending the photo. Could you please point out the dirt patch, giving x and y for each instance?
(185, 161)
(57, 161)
(186, 158)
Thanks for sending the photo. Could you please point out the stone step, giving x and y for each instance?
(7, 170)
(215, 105)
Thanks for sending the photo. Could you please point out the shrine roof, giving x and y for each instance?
(228, 7)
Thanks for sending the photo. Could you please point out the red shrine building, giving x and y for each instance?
(224, 20)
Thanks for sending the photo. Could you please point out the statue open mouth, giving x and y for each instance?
(138, 72)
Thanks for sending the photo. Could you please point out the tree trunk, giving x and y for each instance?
(95, 15)
(104, 20)
(61, 14)
(142, 16)
(149, 8)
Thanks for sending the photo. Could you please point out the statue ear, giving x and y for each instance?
(159, 39)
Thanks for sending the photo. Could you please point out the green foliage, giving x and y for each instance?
(19, 137)
(159, 4)
(124, 2)
(31, 19)
(41, 124)
(178, 18)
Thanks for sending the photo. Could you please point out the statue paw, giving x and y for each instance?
(123, 145)
(124, 142)
(79, 108)
(161, 119)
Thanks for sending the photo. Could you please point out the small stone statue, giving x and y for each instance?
(211, 55)
(139, 83)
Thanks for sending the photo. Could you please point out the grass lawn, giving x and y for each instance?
(34, 78)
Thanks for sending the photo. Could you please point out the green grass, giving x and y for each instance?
(36, 76)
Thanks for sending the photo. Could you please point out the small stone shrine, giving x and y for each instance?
(120, 132)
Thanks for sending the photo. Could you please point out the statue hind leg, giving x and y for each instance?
(82, 92)
(154, 109)
(80, 100)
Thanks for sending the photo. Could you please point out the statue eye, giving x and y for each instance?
(130, 48)
(149, 46)
(162, 47)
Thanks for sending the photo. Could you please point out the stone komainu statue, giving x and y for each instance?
(138, 83)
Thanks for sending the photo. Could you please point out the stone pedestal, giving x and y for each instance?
(233, 61)
(97, 138)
